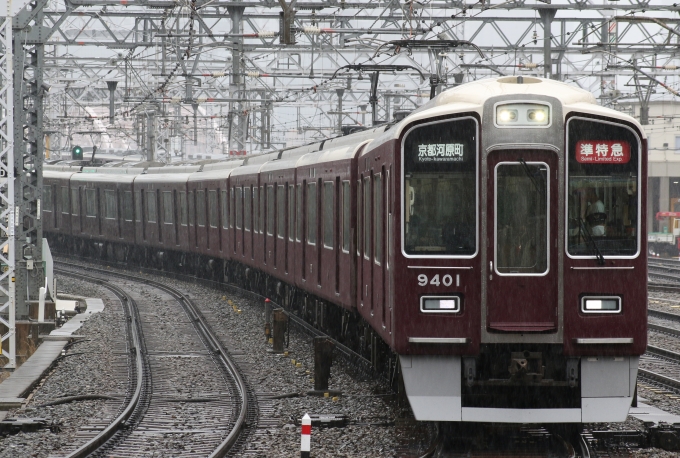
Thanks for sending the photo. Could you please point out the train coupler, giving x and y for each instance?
(526, 366)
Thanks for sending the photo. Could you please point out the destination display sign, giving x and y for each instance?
(440, 152)
(602, 152)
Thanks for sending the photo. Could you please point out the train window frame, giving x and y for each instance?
(495, 221)
(110, 204)
(213, 217)
(256, 209)
(90, 203)
(138, 206)
(151, 204)
(328, 214)
(128, 207)
(367, 215)
(312, 213)
(47, 198)
(65, 200)
(238, 207)
(281, 211)
(183, 209)
(638, 184)
(168, 216)
(270, 214)
(378, 212)
(200, 208)
(75, 208)
(247, 207)
(298, 210)
(291, 212)
(191, 203)
(346, 216)
(402, 178)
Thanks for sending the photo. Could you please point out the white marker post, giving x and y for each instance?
(306, 437)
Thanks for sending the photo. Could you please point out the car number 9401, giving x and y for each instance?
(446, 280)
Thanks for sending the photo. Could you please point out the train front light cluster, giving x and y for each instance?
(590, 304)
(523, 115)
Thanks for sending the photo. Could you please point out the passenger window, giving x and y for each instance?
(359, 220)
(378, 211)
(291, 213)
(311, 213)
(345, 216)
(138, 206)
(225, 212)
(183, 213)
(256, 209)
(167, 207)
(200, 208)
(75, 207)
(65, 207)
(151, 207)
(90, 203)
(109, 204)
(47, 198)
(247, 204)
(239, 208)
(270, 210)
(231, 208)
(367, 217)
(127, 206)
(328, 214)
(192, 213)
(262, 205)
(298, 226)
(281, 211)
(212, 208)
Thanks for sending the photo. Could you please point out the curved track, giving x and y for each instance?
(113, 436)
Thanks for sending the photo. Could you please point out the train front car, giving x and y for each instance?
(518, 271)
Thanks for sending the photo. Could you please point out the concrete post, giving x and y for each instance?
(112, 89)
(280, 325)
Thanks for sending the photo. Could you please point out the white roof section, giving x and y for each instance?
(61, 174)
(300, 150)
(261, 158)
(355, 138)
(103, 177)
(230, 164)
(337, 154)
(162, 178)
(112, 171)
(177, 169)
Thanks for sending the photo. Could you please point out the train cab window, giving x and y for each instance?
(128, 212)
(47, 198)
(256, 209)
(603, 189)
(110, 204)
(311, 213)
(167, 207)
(75, 201)
(439, 211)
(200, 208)
(378, 218)
(270, 210)
(212, 208)
(521, 203)
(138, 206)
(367, 217)
(183, 213)
(91, 203)
(328, 214)
(281, 211)
(291, 213)
(65, 204)
(247, 206)
(345, 216)
(225, 211)
(238, 203)
(151, 214)
(298, 219)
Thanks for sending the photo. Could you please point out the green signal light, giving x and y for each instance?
(77, 153)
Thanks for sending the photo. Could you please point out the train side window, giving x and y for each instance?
(47, 198)
(345, 216)
(270, 210)
(281, 211)
(311, 213)
(109, 204)
(298, 225)
(238, 203)
(200, 208)
(167, 207)
(90, 203)
(256, 209)
(65, 204)
(127, 206)
(74, 202)
(291, 213)
(231, 207)
(138, 206)
(247, 204)
(367, 217)
(151, 214)
(359, 220)
(212, 208)
(225, 210)
(328, 213)
(378, 220)
(183, 213)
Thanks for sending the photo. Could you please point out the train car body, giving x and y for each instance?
(488, 246)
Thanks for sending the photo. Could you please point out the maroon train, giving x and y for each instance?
(491, 240)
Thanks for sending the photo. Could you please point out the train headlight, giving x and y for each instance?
(440, 304)
(523, 115)
(600, 304)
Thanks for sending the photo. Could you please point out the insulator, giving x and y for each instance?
(266, 34)
(311, 30)
(253, 74)
(201, 100)
(530, 65)
(176, 100)
(218, 74)
(670, 67)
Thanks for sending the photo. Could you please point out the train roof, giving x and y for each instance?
(103, 177)
(175, 169)
(162, 178)
(221, 173)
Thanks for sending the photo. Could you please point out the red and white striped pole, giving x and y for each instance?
(306, 437)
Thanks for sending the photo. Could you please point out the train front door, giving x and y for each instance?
(522, 253)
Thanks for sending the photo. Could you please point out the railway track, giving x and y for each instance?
(210, 419)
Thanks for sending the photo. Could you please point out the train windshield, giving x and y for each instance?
(440, 190)
(603, 192)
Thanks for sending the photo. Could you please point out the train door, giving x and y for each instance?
(522, 251)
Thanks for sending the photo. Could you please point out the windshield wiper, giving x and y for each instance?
(528, 173)
(589, 238)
